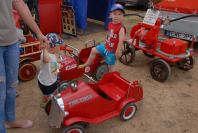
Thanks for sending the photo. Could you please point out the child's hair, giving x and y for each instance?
(54, 40)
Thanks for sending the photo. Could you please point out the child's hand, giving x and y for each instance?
(43, 46)
(42, 38)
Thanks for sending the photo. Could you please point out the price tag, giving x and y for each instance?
(151, 17)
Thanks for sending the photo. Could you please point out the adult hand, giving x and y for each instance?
(43, 40)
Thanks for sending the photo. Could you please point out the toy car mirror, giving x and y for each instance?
(65, 48)
(74, 85)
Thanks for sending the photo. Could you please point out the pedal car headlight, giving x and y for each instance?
(74, 85)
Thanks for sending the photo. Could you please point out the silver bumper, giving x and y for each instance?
(57, 113)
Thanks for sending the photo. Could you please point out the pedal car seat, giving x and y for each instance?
(113, 85)
(84, 55)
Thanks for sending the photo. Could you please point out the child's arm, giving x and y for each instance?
(122, 38)
(46, 58)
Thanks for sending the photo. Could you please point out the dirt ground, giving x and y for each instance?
(170, 107)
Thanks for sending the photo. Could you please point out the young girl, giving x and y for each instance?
(47, 77)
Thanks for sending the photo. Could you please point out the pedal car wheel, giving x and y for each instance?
(148, 55)
(27, 71)
(128, 111)
(186, 64)
(128, 54)
(48, 107)
(160, 70)
(100, 71)
(74, 129)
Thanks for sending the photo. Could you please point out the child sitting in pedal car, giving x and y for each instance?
(115, 38)
(47, 77)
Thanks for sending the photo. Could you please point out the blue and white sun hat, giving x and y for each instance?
(54, 39)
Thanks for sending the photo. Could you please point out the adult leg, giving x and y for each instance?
(2, 91)
(11, 58)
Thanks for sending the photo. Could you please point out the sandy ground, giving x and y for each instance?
(170, 107)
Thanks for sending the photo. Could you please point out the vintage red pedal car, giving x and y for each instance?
(168, 51)
(82, 103)
(73, 57)
(29, 52)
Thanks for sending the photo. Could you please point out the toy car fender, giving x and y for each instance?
(122, 105)
(23, 60)
(75, 120)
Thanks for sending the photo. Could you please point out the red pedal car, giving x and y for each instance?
(29, 52)
(72, 58)
(168, 51)
(84, 103)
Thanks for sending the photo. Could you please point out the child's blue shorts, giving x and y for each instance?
(110, 57)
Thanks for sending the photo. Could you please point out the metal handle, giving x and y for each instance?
(90, 78)
(75, 49)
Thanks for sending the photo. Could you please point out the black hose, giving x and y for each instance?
(176, 19)
(187, 16)
(134, 14)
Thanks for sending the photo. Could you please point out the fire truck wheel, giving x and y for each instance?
(27, 71)
(160, 70)
(48, 107)
(127, 54)
(148, 55)
(128, 111)
(100, 71)
(186, 64)
(74, 129)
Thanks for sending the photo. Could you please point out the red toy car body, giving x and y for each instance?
(174, 46)
(166, 50)
(92, 103)
(69, 64)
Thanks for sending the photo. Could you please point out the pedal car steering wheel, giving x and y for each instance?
(65, 48)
